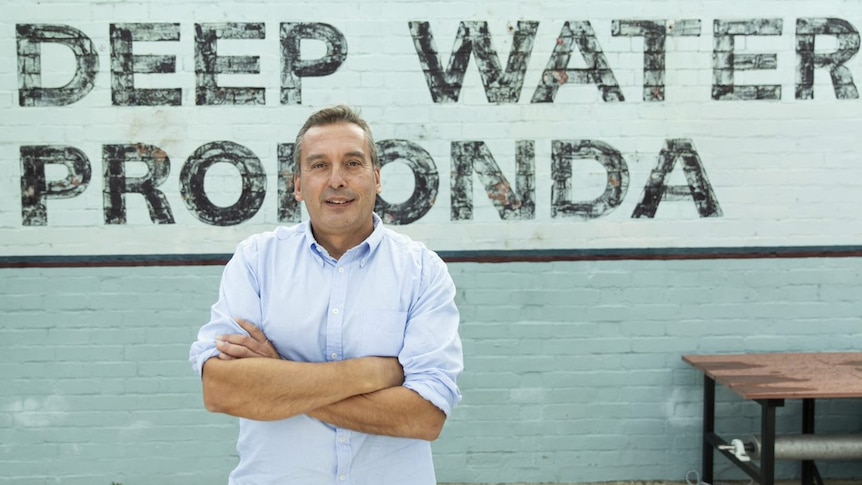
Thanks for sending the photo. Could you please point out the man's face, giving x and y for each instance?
(337, 181)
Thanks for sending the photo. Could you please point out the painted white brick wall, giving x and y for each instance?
(771, 163)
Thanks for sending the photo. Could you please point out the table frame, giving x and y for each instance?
(769, 379)
(765, 473)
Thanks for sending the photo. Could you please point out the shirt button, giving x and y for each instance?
(342, 477)
(334, 355)
(341, 270)
(335, 311)
(342, 439)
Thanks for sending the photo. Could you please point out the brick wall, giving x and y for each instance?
(573, 358)
(573, 370)
(535, 126)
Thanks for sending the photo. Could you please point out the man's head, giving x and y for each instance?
(337, 176)
(331, 116)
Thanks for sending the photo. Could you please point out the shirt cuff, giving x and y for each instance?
(200, 353)
(436, 393)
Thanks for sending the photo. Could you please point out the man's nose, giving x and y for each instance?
(336, 178)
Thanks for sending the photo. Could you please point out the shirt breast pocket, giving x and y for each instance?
(382, 333)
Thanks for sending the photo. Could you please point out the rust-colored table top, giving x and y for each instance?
(785, 376)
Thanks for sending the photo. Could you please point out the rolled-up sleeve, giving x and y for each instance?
(239, 297)
(432, 355)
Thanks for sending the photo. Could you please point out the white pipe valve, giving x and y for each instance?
(737, 447)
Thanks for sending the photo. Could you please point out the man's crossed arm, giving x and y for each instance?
(250, 380)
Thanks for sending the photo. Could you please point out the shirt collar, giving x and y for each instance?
(362, 251)
(371, 244)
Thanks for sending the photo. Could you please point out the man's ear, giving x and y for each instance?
(297, 189)
(377, 178)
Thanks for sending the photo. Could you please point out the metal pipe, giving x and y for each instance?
(813, 447)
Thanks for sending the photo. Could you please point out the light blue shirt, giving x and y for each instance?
(389, 296)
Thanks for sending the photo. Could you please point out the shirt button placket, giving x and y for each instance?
(343, 455)
(335, 320)
(337, 300)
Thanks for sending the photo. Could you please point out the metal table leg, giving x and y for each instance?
(767, 436)
(808, 428)
(708, 427)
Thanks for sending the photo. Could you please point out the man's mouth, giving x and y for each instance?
(338, 202)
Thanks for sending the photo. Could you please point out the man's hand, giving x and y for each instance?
(238, 346)
(387, 371)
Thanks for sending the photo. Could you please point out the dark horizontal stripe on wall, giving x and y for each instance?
(525, 255)
(109, 260)
(546, 255)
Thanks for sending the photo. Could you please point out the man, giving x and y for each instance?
(334, 341)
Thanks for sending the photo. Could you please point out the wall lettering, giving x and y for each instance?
(117, 184)
(655, 33)
(473, 156)
(513, 198)
(30, 38)
(848, 45)
(474, 38)
(725, 61)
(698, 189)
(426, 182)
(289, 209)
(502, 86)
(577, 33)
(563, 153)
(251, 173)
(124, 64)
(208, 64)
(469, 158)
(35, 189)
(294, 67)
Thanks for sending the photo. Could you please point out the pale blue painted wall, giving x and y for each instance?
(573, 370)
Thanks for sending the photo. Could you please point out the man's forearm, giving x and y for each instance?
(271, 389)
(396, 411)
